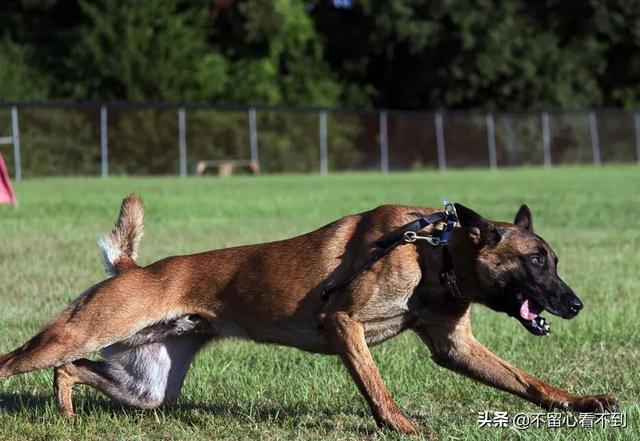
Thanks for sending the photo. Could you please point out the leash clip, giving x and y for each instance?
(412, 236)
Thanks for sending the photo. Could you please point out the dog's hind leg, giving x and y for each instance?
(145, 376)
(107, 313)
(98, 374)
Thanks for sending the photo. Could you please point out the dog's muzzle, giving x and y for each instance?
(527, 310)
(528, 314)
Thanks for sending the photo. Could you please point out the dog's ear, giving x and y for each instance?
(524, 219)
(481, 231)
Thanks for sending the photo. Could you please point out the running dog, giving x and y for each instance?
(149, 322)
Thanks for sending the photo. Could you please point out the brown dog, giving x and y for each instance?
(149, 322)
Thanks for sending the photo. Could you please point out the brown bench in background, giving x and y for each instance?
(226, 166)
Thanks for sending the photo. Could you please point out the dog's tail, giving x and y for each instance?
(120, 247)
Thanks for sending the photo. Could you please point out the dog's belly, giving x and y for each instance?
(153, 372)
(187, 325)
(313, 338)
(306, 338)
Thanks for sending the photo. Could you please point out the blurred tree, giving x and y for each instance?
(19, 79)
(617, 25)
(152, 50)
(273, 46)
(459, 54)
(400, 53)
(46, 31)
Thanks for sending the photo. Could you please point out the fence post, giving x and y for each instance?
(546, 139)
(384, 143)
(511, 150)
(182, 141)
(442, 159)
(253, 134)
(636, 121)
(595, 141)
(322, 135)
(104, 143)
(491, 142)
(15, 129)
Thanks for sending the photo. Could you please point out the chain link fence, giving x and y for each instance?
(106, 139)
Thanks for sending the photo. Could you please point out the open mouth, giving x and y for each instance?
(529, 315)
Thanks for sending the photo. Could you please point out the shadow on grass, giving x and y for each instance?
(18, 402)
(189, 412)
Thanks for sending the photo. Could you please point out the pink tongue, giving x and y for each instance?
(525, 313)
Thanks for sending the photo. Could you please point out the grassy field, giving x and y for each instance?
(241, 390)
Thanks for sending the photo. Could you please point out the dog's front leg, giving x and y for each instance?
(347, 338)
(454, 347)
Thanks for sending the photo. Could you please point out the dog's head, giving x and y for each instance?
(517, 270)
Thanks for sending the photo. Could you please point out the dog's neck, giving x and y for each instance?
(463, 252)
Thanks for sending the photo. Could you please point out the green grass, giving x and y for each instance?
(241, 390)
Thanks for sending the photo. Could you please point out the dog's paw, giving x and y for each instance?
(398, 423)
(595, 403)
(69, 414)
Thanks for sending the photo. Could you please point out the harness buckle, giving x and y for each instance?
(450, 210)
(448, 279)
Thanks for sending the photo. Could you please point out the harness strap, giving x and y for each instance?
(392, 240)
(367, 265)
(448, 276)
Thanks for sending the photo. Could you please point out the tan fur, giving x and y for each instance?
(271, 293)
(120, 247)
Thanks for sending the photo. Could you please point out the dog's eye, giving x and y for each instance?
(537, 259)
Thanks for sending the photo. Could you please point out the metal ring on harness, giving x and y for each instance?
(450, 209)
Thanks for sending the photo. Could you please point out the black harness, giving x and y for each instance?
(408, 233)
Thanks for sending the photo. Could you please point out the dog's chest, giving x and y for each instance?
(385, 313)
(385, 316)
(377, 331)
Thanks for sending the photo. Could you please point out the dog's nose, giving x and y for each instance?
(575, 305)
